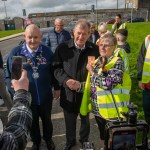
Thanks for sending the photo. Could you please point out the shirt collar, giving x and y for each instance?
(30, 50)
(79, 47)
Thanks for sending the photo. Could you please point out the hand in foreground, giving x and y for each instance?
(141, 85)
(22, 83)
(89, 67)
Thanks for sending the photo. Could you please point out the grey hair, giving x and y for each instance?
(111, 38)
(59, 20)
(83, 23)
(102, 27)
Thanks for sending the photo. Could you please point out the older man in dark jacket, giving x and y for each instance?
(70, 70)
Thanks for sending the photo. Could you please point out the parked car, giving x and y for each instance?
(136, 20)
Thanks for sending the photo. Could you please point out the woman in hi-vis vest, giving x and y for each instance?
(109, 93)
(143, 76)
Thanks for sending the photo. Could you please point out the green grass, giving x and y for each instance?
(9, 32)
(136, 36)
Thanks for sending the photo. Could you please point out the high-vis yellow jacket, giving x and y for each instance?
(146, 66)
(112, 102)
(122, 26)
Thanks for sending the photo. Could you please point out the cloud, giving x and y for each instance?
(14, 7)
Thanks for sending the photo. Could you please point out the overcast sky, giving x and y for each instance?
(14, 7)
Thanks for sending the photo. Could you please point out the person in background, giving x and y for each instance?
(37, 61)
(57, 35)
(69, 63)
(6, 98)
(102, 29)
(118, 24)
(121, 36)
(107, 78)
(143, 76)
(14, 135)
(94, 36)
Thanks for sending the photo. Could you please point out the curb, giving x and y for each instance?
(11, 36)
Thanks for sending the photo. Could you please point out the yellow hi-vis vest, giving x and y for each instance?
(122, 26)
(146, 66)
(124, 56)
(120, 94)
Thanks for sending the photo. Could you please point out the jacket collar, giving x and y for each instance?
(24, 47)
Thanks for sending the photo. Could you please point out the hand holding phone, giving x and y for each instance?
(16, 69)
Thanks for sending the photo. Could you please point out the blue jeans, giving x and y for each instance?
(146, 104)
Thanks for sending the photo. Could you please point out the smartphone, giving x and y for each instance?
(16, 69)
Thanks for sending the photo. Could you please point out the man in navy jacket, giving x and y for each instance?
(37, 60)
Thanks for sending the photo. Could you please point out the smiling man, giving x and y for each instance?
(37, 61)
(70, 62)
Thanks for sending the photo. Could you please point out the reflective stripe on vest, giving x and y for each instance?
(111, 105)
(114, 91)
(146, 66)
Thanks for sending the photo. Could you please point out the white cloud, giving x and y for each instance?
(14, 7)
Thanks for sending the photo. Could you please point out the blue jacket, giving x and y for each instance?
(54, 39)
(40, 89)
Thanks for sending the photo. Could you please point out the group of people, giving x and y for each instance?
(87, 72)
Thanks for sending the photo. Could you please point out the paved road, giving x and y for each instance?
(59, 130)
(7, 45)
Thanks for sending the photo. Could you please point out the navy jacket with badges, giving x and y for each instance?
(41, 88)
(70, 63)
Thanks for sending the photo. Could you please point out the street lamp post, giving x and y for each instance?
(5, 8)
(96, 16)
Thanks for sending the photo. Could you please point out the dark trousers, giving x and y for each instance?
(146, 104)
(70, 121)
(43, 112)
(101, 122)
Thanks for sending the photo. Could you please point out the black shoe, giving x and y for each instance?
(50, 145)
(35, 146)
(69, 146)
